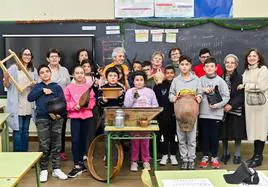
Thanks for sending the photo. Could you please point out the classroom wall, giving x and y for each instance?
(100, 9)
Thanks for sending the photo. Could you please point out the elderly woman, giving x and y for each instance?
(233, 127)
(61, 76)
(255, 83)
(118, 57)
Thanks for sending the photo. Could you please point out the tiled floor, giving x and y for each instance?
(125, 178)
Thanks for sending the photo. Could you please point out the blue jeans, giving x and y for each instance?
(21, 136)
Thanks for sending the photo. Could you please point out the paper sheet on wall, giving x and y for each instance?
(186, 183)
(134, 8)
(157, 35)
(141, 35)
(171, 37)
(174, 8)
(263, 181)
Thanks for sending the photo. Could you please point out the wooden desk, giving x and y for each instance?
(8, 182)
(215, 176)
(15, 165)
(5, 132)
(120, 133)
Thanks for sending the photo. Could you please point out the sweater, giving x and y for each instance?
(111, 102)
(146, 98)
(37, 94)
(199, 70)
(72, 93)
(179, 83)
(205, 110)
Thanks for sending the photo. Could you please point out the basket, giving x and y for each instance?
(111, 93)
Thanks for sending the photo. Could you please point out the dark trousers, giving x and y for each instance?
(49, 134)
(21, 136)
(167, 135)
(209, 131)
(63, 133)
(81, 131)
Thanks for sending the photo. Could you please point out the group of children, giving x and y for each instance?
(147, 85)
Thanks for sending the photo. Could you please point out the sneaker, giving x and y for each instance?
(173, 160)
(184, 165)
(43, 176)
(63, 156)
(191, 165)
(146, 165)
(204, 162)
(134, 166)
(59, 174)
(83, 167)
(163, 160)
(215, 163)
(84, 158)
(75, 172)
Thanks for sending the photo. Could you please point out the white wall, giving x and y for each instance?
(96, 9)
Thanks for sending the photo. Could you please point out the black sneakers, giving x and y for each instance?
(75, 172)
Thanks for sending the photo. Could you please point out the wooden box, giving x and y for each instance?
(132, 115)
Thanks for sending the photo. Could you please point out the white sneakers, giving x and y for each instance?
(173, 160)
(134, 166)
(56, 173)
(164, 160)
(146, 165)
(59, 174)
(43, 176)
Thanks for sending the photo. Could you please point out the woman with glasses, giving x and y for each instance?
(17, 105)
(174, 55)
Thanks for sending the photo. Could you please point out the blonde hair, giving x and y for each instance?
(158, 53)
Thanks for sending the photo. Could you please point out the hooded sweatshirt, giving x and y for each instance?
(205, 111)
(179, 83)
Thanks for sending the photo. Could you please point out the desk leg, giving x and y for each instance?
(154, 151)
(6, 137)
(37, 173)
(108, 158)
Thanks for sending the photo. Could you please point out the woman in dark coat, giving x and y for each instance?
(233, 127)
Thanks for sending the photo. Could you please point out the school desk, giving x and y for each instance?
(125, 134)
(15, 165)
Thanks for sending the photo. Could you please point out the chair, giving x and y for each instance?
(146, 178)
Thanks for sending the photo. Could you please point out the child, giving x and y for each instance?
(157, 67)
(82, 126)
(136, 66)
(48, 126)
(112, 75)
(167, 121)
(211, 115)
(147, 68)
(140, 96)
(187, 140)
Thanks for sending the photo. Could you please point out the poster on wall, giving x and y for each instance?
(174, 8)
(134, 8)
(213, 8)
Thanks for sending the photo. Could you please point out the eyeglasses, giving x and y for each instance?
(146, 69)
(27, 54)
(173, 54)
